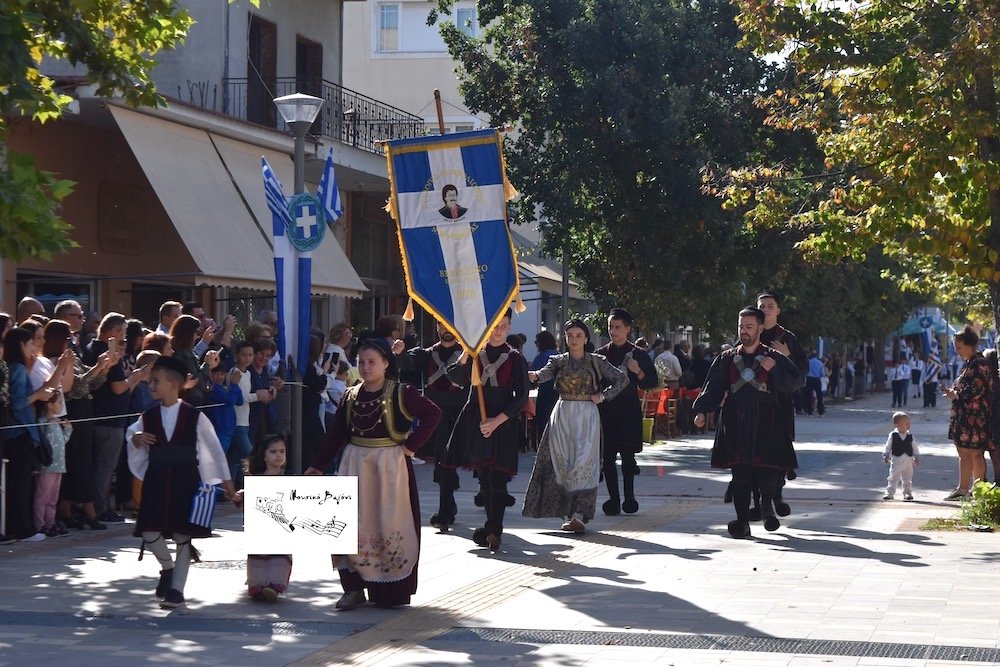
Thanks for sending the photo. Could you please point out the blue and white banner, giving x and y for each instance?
(292, 229)
(449, 199)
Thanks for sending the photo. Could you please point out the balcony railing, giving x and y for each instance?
(347, 116)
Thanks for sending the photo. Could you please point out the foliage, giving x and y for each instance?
(113, 44)
(983, 509)
(618, 105)
(29, 225)
(901, 99)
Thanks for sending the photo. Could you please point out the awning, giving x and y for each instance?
(917, 325)
(211, 209)
(330, 265)
(546, 273)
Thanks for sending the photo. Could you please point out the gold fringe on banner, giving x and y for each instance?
(519, 306)
(408, 313)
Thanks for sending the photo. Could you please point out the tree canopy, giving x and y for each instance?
(618, 105)
(901, 99)
(114, 44)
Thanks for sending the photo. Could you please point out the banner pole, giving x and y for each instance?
(479, 393)
(437, 104)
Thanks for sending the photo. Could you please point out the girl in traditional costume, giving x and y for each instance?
(379, 426)
(567, 469)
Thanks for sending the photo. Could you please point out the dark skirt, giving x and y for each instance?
(621, 419)
(467, 447)
(167, 491)
(754, 434)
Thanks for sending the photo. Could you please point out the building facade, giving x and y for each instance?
(169, 202)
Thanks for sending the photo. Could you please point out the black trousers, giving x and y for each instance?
(745, 479)
(930, 394)
(20, 454)
(494, 489)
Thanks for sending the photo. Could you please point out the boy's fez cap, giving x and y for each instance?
(171, 364)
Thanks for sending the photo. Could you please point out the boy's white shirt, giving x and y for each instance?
(212, 465)
(887, 452)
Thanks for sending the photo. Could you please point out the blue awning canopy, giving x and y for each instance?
(916, 326)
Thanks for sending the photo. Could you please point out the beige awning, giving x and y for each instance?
(331, 268)
(210, 209)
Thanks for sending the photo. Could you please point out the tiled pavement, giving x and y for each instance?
(848, 580)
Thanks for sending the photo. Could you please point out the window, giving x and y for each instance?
(464, 127)
(465, 19)
(388, 27)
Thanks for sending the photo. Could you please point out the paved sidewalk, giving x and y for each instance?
(847, 580)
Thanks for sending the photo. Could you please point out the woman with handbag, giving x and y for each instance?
(19, 443)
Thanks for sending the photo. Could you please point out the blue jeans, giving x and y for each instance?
(239, 449)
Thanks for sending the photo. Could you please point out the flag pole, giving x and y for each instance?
(476, 379)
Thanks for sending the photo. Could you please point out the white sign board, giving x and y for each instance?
(296, 514)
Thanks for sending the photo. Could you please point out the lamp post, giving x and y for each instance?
(299, 111)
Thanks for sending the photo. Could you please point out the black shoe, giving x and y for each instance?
(739, 529)
(782, 508)
(71, 522)
(754, 514)
(440, 521)
(479, 537)
(5, 540)
(771, 523)
(94, 524)
(630, 506)
(166, 580)
(493, 542)
(611, 507)
(173, 599)
(111, 517)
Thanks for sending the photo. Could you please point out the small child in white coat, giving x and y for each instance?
(902, 455)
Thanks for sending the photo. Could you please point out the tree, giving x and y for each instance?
(902, 100)
(115, 44)
(618, 106)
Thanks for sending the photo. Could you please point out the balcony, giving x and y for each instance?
(347, 116)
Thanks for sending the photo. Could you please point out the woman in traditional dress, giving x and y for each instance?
(567, 469)
(491, 447)
(970, 425)
(380, 425)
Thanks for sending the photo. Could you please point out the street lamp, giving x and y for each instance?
(299, 111)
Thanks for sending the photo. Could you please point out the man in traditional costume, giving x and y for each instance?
(753, 438)
(621, 416)
(781, 339)
(432, 362)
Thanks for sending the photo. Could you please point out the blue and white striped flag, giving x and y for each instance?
(292, 275)
(449, 199)
(328, 193)
(933, 353)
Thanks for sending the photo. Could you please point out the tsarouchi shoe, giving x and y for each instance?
(574, 525)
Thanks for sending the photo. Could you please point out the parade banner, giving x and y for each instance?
(449, 199)
(287, 514)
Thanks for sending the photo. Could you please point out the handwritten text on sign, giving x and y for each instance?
(294, 514)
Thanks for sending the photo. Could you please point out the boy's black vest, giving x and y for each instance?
(901, 445)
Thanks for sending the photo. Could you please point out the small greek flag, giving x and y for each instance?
(203, 506)
(328, 193)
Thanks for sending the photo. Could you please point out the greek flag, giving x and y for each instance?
(292, 275)
(203, 506)
(449, 199)
(328, 193)
(933, 353)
